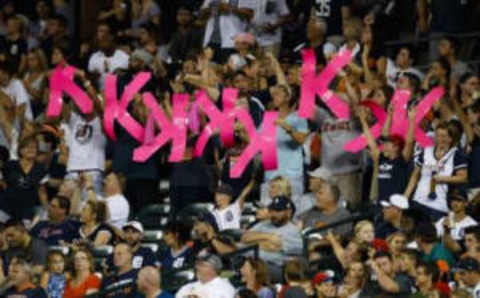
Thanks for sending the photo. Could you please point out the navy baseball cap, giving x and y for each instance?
(282, 203)
(467, 264)
(208, 217)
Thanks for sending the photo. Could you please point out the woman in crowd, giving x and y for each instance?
(397, 244)
(94, 231)
(178, 253)
(255, 276)
(83, 280)
(23, 178)
(437, 168)
(292, 131)
(35, 81)
(355, 278)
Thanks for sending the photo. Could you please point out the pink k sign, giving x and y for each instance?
(61, 81)
(400, 120)
(224, 121)
(264, 142)
(313, 85)
(117, 110)
(174, 130)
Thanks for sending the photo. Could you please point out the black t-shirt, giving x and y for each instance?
(191, 173)
(330, 10)
(92, 236)
(53, 233)
(120, 286)
(13, 49)
(448, 16)
(474, 164)
(392, 176)
(28, 293)
(22, 188)
(384, 229)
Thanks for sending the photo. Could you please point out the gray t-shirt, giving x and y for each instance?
(303, 203)
(314, 215)
(335, 134)
(292, 243)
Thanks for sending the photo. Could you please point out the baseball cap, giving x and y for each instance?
(467, 264)
(224, 189)
(212, 260)
(134, 225)
(458, 195)
(396, 139)
(396, 200)
(208, 217)
(281, 203)
(325, 276)
(321, 173)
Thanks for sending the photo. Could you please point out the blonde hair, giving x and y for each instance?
(360, 225)
(285, 185)
(396, 234)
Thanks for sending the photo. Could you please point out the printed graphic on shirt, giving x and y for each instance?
(323, 8)
(83, 133)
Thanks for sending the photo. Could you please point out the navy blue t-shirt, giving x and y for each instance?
(392, 176)
(120, 286)
(144, 256)
(28, 293)
(170, 262)
(474, 164)
(52, 233)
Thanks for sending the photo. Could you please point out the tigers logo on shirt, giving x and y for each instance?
(137, 262)
(229, 216)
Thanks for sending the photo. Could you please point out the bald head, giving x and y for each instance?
(148, 279)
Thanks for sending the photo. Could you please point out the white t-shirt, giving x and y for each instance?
(393, 73)
(86, 142)
(457, 231)
(452, 161)
(17, 92)
(268, 12)
(228, 218)
(96, 63)
(230, 24)
(118, 209)
(476, 291)
(216, 288)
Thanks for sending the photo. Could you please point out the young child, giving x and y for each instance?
(227, 213)
(54, 279)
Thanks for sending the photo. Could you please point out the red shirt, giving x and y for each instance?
(91, 283)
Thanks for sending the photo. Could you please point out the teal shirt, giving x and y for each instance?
(439, 252)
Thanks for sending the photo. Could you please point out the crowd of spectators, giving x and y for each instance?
(80, 218)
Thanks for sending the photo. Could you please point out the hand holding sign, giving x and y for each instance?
(61, 80)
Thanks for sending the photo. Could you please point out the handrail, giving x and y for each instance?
(354, 217)
(427, 39)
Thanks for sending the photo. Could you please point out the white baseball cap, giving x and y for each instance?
(321, 173)
(396, 200)
(134, 225)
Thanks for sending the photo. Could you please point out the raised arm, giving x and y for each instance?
(407, 152)
(412, 183)
(374, 150)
